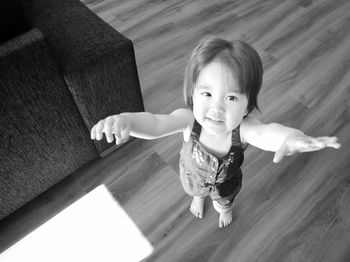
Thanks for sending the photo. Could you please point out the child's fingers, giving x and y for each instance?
(280, 153)
(319, 143)
(305, 144)
(121, 129)
(99, 129)
(316, 144)
(124, 134)
(330, 141)
(93, 132)
(335, 145)
(121, 133)
(107, 129)
(302, 144)
(113, 127)
(119, 140)
(322, 142)
(116, 132)
(309, 149)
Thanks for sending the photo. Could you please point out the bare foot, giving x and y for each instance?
(197, 206)
(225, 218)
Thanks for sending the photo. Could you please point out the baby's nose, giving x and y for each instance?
(217, 107)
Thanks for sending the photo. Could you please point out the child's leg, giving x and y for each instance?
(197, 206)
(224, 208)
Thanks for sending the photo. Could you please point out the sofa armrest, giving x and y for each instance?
(97, 61)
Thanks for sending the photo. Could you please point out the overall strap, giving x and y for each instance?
(196, 131)
(236, 137)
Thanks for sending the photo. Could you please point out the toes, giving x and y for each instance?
(196, 214)
(199, 215)
(223, 222)
(197, 207)
(192, 211)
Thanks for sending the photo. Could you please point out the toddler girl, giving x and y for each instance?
(221, 86)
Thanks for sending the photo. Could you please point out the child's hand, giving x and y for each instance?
(116, 125)
(302, 143)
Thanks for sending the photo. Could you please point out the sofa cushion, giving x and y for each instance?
(42, 134)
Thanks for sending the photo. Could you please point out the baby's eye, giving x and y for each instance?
(206, 94)
(232, 98)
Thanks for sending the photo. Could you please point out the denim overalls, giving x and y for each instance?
(204, 174)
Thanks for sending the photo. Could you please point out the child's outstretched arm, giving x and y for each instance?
(281, 139)
(142, 125)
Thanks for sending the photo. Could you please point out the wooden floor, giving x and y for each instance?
(298, 210)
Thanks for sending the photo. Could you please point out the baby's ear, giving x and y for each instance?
(246, 112)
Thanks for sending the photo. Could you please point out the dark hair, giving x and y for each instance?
(237, 55)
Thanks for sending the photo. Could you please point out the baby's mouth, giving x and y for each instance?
(214, 121)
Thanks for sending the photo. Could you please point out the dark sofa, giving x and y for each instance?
(62, 68)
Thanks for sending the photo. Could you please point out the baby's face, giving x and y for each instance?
(218, 105)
